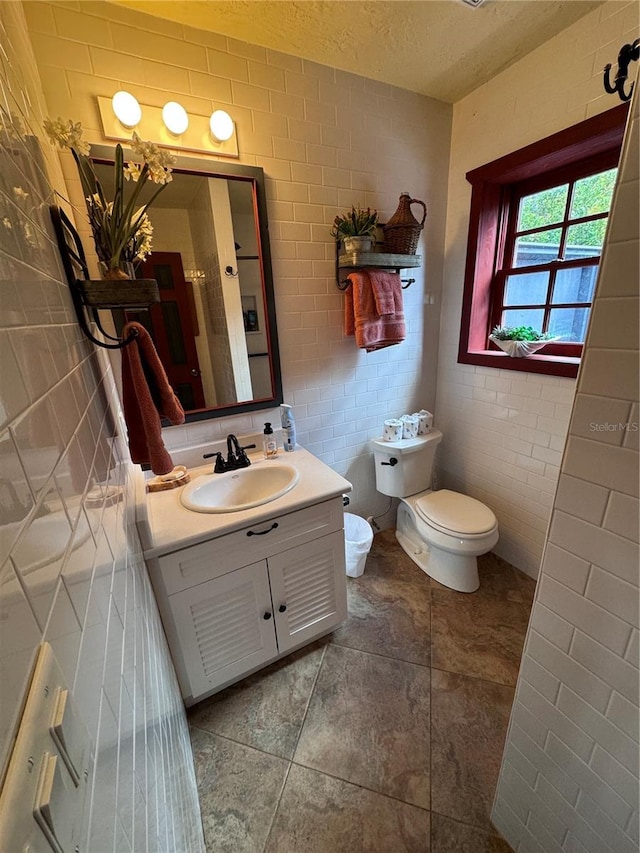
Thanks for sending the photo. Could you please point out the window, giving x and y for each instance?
(537, 225)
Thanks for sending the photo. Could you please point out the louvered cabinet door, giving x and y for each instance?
(309, 590)
(222, 628)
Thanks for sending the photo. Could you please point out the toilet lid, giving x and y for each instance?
(452, 512)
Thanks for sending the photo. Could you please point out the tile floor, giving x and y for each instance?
(386, 736)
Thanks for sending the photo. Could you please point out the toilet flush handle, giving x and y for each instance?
(393, 461)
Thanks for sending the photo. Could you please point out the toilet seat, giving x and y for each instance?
(454, 514)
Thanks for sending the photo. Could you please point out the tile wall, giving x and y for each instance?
(71, 570)
(569, 778)
(325, 139)
(505, 431)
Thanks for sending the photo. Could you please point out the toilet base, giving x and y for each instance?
(458, 571)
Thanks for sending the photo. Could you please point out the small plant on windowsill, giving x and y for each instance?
(520, 341)
(356, 229)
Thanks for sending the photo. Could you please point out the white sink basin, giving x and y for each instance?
(237, 490)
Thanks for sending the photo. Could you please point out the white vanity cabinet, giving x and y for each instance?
(239, 601)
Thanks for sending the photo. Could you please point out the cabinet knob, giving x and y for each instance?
(267, 615)
(282, 608)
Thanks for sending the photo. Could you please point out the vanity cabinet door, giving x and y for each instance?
(308, 589)
(225, 627)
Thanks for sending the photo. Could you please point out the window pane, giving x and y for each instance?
(533, 317)
(575, 285)
(530, 288)
(585, 240)
(542, 208)
(570, 324)
(593, 194)
(537, 248)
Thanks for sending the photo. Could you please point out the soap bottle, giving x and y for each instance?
(289, 427)
(269, 443)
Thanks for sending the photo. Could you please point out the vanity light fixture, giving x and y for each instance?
(221, 125)
(175, 118)
(126, 108)
(169, 126)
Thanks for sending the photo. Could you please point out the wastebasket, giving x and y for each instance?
(358, 537)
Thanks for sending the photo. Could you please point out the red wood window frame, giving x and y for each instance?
(494, 191)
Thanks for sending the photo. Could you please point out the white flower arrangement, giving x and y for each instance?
(121, 229)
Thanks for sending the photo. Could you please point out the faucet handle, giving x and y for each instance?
(221, 466)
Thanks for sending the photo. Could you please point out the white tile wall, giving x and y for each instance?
(325, 139)
(505, 432)
(579, 674)
(71, 569)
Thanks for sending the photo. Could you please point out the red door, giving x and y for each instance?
(171, 325)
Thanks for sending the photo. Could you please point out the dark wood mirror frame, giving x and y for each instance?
(103, 154)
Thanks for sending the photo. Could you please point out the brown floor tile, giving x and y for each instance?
(238, 789)
(449, 836)
(368, 723)
(388, 617)
(469, 721)
(527, 586)
(265, 710)
(481, 636)
(318, 813)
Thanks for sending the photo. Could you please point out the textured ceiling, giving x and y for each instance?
(441, 48)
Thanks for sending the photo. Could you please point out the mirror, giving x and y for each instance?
(215, 326)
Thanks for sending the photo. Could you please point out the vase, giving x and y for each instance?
(361, 243)
(402, 231)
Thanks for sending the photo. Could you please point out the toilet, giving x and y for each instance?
(443, 532)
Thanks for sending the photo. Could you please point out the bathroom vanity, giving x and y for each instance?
(238, 590)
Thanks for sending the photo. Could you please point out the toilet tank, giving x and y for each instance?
(411, 473)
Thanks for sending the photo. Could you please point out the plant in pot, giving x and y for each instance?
(519, 341)
(120, 225)
(356, 229)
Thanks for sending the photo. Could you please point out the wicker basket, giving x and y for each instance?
(402, 231)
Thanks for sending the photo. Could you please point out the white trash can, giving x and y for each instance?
(358, 537)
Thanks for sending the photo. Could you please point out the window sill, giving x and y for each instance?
(551, 365)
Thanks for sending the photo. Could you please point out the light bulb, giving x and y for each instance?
(221, 125)
(126, 108)
(175, 117)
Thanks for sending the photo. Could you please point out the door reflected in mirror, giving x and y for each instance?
(215, 326)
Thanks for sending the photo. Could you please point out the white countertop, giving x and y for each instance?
(165, 525)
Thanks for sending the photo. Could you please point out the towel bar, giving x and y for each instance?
(344, 283)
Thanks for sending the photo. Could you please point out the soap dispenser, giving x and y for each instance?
(269, 443)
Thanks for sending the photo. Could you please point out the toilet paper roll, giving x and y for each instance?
(426, 421)
(392, 430)
(410, 425)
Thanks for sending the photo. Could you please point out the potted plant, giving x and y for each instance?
(356, 229)
(519, 341)
(120, 224)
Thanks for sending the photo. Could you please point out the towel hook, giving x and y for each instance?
(229, 271)
(76, 270)
(628, 53)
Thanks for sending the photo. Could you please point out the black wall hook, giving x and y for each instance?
(230, 272)
(628, 53)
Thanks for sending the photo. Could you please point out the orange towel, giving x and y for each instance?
(374, 330)
(146, 397)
